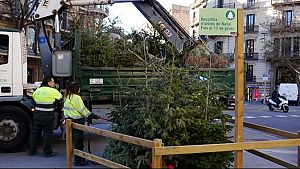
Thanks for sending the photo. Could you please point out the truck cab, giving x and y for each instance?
(15, 107)
(13, 63)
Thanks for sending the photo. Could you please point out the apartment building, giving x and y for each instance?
(284, 55)
(181, 14)
(270, 36)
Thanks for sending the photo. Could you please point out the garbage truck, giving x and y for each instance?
(17, 106)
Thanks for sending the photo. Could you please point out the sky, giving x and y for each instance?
(130, 17)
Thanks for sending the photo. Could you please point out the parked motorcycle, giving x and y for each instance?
(282, 105)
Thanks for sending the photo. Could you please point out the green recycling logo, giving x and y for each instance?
(230, 15)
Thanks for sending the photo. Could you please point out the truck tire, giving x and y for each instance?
(14, 128)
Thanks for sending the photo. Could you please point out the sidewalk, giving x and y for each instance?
(288, 154)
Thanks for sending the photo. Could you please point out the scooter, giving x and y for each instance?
(283, 104)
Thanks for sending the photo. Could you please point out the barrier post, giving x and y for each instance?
(298, 151)
(239, 87)
(156, 159)
(69, 143)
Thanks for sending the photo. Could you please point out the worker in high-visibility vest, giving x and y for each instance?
(75, 109)
(43, 119)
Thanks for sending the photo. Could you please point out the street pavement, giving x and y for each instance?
(22, 160)
(257, 113)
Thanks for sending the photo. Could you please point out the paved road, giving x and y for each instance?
(260, 114)
(22, 160)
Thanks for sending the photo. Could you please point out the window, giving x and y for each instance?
(194, 34)
(287, 18)
(250, 70)
(220, 3)
(249, 73)
(286, 46)
(64, 23)
(296, 46)
(218, 47)
(251, 2)
(249, 48)
(250, 21)
(4, 43)
(30, 35)
(29, 75)
(276, 47)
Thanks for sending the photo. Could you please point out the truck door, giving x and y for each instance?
(5, 64)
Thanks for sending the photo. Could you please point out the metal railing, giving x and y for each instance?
(250, 78)
(280, 26)
(278, 2)
(278, 55)
(229, 57)
(99, 8)
(225, 5)
(252, 4)
(251, 29)
(251, 56)
(4, 9)
(195, 21)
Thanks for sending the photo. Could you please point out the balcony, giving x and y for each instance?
(229, 57)
(250, 5)
(284, 2)
(280, 26)
(251, 56)
(251, 29)
(250, 78)
(225, 5)
(197, 3)
(4, 9)
(99, 9)
(195, 22)
(275, 56)
(296, 55)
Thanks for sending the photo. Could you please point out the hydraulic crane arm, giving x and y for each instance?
(152, 10)
(160, 18)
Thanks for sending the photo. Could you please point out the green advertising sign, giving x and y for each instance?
(218, 21)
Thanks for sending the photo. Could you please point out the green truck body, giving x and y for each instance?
(103, 83)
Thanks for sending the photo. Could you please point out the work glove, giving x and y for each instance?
(92, 116)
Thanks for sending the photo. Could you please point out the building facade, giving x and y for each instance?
(264, 47)
(181, 14)
(284, 54)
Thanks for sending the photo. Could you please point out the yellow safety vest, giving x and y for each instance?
(45, 97)
(74, 107)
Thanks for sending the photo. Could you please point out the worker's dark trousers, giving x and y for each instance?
(43, 122)
(78, 136)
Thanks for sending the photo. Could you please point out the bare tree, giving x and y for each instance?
(18, 12)
(282, 49)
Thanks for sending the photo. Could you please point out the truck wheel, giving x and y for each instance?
(14, 128)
